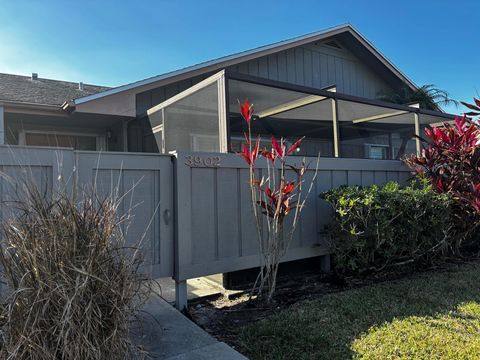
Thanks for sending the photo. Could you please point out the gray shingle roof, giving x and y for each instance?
(23, 89)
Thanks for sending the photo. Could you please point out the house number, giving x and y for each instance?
(200, 161)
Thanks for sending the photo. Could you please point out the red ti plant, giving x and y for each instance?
(450, 160)
(274, 196)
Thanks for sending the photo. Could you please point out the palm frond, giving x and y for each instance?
(428, 96)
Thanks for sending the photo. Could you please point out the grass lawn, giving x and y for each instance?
(434, 316)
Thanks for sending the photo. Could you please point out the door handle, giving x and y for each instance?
(166, 216)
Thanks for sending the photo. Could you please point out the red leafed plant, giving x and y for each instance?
(450, 160)
(274, 196)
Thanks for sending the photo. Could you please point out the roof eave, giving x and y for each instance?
(32, 108)
(384, 59)
(21, 104)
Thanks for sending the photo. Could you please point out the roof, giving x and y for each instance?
(354, 37)
(23, 89)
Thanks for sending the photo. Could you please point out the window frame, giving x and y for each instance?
(100, 138)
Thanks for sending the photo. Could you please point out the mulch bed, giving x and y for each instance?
(222, 316)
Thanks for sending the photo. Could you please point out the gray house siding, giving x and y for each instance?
(314, 65)
(317, 66)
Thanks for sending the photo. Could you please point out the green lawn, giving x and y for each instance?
(436, 316)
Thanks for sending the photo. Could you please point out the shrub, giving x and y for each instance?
(74, 288)
(450, 161)
(378, 227)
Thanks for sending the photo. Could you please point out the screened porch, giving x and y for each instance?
(206, 118)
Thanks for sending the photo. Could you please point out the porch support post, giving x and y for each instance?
(222, 114)
(181, 299)
(336, 139)
(2, 125)
(125, 135)
(417, 132)
(325, 263)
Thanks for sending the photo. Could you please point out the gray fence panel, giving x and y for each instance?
(215, 230)
(48, 170)
(144, 183)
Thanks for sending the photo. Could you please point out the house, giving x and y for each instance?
(322, 85)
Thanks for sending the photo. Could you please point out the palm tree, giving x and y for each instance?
(428, 96)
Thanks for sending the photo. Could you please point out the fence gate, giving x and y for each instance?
(144, 183)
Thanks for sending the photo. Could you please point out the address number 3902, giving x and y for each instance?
(202, 161)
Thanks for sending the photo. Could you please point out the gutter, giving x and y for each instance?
(30, 106)
(68, 106)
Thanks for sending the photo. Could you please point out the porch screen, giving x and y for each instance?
(333, 124)
(375, 132)
(283, 113)
(191, 120)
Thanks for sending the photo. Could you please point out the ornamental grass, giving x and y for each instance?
(74, 287)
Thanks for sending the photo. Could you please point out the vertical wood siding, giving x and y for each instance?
(314, 66)
(318, 66)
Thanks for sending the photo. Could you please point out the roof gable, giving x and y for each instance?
(346, 33)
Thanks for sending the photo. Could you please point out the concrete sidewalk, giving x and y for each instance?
(197, 288)
(169, 335)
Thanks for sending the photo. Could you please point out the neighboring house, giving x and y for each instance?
(32, 114)
(321, 85)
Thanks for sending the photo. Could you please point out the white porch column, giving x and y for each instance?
(418, 143)
(2, 125)
(336, 135)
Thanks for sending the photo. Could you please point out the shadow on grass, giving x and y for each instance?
(409, 318)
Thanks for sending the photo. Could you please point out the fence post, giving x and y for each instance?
(181, 295)
(325, 263)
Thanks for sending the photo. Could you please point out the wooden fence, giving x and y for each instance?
(192, 210)
(215, 230)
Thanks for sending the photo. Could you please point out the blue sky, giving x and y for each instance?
(116, 42)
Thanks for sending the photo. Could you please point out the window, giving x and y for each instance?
(378, 152)
(53, 139)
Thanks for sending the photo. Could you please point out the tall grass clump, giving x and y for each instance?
(74, 286)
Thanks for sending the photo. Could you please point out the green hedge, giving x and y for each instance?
(377, 227)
